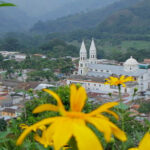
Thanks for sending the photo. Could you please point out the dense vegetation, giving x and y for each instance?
(133, 128)
(123, 34)
(134, 20)
(81, 20)
(41, 69)
(37, 44)
(111, 47)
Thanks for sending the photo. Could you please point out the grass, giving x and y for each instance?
(135, 44)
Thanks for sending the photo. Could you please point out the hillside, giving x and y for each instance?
(82, 20)
(51, 9)
(27, 12)
(36, 8)
(134, 20)
(72, 7)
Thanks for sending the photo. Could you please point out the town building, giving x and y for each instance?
(92, 73)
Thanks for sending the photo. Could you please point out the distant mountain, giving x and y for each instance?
(82, 20)
(76, 6)
(13, 19)
(28, 11)
(134, 20)
(36, 8)
(52, 9)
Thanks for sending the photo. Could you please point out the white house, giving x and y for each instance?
(92, 74)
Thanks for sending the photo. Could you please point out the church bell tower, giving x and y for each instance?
(82, 70)
(92, 54)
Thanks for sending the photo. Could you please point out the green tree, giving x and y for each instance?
(1, 61)
(10, 44)
(3, 125)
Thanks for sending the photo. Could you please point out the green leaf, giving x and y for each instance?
(3, 4)
(4, 134)
(122, 106)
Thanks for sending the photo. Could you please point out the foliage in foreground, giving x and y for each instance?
(134, 129)
(4, 4)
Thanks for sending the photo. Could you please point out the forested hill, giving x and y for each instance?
(52, 9)
(82, 20)
(28, 12)
(75, 6)
(13, 19)
(134, 20)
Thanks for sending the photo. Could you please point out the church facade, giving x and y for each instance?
(92, 73)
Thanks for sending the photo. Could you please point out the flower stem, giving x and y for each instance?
(119, 88)
(122, 114)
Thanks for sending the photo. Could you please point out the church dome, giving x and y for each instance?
(131, 64)
(131, 61)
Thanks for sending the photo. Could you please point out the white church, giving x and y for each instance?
(92, 73)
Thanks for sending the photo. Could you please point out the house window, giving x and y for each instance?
(113, 87)
(81, 65)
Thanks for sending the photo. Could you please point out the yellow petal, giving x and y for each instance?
(42, 128)
(42, 141)
(133, 149)
(124, 85)
(118, 133)
(33, 127)
(78, 98)
(57, 98)
(73, 92)
(62, 132)
(86, 139)
(102, 125)
(46, 107)
(113, 114)
(128, 79)
(145, 143)
(23, 126)
(122, 77)
(103, 108)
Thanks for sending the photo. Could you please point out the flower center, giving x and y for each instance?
(75, 115)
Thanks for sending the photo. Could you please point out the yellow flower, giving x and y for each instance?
(43, 140)
(119, 81)
(23, 126)
(72, 123)
(144, 144)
